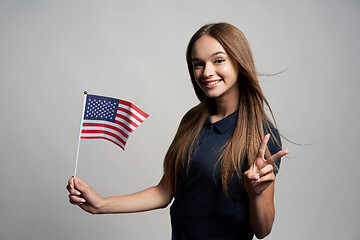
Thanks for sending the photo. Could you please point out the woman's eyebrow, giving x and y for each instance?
(195, 59)
(213, 54)
(216, 53)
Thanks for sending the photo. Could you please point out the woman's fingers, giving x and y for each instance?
(74, 192)
(254, 176)
(276, 156)
(85, 190)
(260, 162)
(265, 174)
(71, 182)
(76, 199)
(71, 189)
(267, 178)
(268, 169)
(77, 186)
(261, 152)
(81, 185)
(251, 175)
(273, 158)
(75, 196)
(74, 202)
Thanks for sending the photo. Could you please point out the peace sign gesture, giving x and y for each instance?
(260, 175)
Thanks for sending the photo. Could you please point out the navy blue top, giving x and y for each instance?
(201, 210)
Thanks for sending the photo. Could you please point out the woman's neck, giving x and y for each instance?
(224, 107)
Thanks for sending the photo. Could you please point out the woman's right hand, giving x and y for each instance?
(84, 196)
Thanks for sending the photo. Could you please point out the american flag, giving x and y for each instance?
(110, 118)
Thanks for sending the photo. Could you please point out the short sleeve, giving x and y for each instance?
(274, 145)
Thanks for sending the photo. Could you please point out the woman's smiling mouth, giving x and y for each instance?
(211, 83)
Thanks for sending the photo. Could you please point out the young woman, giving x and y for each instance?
(220, 168)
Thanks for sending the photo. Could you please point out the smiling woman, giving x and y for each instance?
(215, 168)
(215, 72)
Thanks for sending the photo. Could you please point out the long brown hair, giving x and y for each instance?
(249, 130)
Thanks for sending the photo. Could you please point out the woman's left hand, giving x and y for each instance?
(260, 175)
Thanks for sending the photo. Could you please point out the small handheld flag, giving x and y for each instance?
(109, 118)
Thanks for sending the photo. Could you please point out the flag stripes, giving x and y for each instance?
(106, 137)
(131, 107)
(102, 127)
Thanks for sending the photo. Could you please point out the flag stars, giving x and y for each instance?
(101, 109)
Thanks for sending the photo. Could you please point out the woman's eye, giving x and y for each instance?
(197, 64)
(219, 60)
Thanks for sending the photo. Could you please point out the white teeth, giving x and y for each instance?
(211, 83)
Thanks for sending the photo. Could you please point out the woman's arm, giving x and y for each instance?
(259, 184)
(152, 198)
(262, 212)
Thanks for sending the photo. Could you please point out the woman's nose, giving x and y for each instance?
(209, 70)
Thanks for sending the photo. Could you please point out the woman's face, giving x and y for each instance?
(215, 72)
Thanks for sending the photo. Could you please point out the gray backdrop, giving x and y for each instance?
(51, 51)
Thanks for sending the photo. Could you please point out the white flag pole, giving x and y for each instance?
(81, 123)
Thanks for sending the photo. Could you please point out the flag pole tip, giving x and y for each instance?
(85, 92)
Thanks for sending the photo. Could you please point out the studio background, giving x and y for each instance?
(51, 51)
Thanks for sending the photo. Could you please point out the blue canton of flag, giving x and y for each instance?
(101, 108)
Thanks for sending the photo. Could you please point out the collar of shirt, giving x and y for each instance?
(224, 124)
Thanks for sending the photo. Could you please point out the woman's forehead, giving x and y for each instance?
(206, 47)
